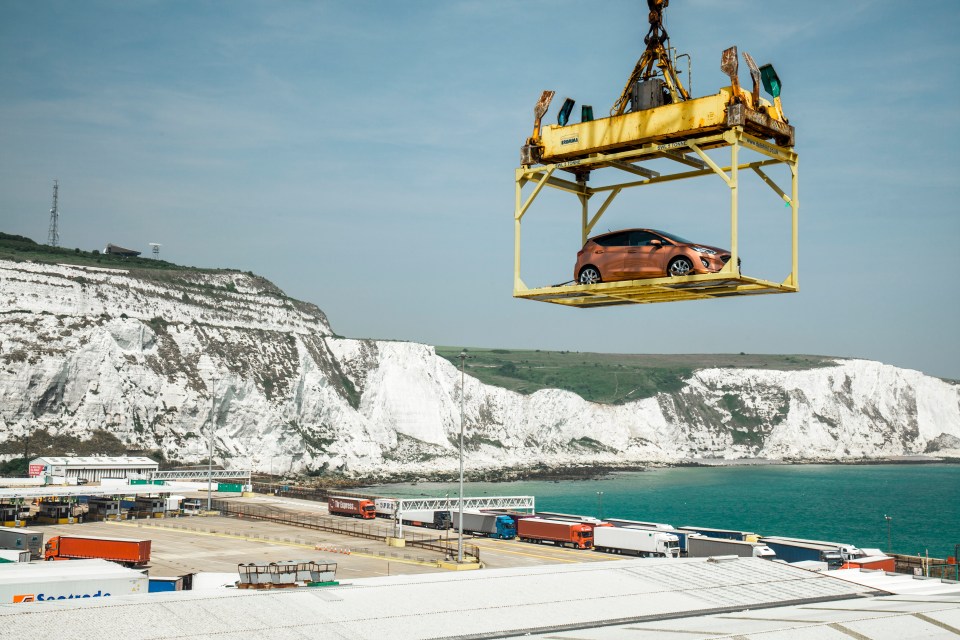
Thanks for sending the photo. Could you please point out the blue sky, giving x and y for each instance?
(361, 155)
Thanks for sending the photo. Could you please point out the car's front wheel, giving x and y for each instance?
(680, 267)
(590, 275)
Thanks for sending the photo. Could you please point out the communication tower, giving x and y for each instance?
(155, 247)
(53, 236)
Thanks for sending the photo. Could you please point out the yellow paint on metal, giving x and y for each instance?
(729, 281)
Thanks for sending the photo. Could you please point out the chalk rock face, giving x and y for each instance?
(158, 358)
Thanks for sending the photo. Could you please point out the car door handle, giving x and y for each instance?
(631, 251)
(595, 252)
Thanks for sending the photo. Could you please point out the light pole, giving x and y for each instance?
(206, 363)
(463, 357)
(600, 500)
(888, 519)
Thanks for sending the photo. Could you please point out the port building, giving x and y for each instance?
(93, 468)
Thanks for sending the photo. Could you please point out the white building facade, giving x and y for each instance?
(93, 468)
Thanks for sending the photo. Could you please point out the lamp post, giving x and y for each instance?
(207, 364)
(463, 357)
(888, 519)
(600, 500)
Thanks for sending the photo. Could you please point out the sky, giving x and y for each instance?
(361, 155)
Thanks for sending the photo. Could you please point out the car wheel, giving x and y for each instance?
(590, 275)
(680, 267)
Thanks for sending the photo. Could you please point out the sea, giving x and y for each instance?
(911, 509)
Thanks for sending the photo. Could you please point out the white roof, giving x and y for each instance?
(899, 583)
(495, 602)
(24, 572)
(97, 462)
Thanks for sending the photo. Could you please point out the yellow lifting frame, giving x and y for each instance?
(727, 282)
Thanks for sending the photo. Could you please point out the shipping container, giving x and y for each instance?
(877, 563)
(485, 524)
(618, 522)
(44, 581)
(569, 517)
(560, 532)
(699, 546)
(351, 507)
(636, 541)
(123, 550)
(847, 551)
(20, 539)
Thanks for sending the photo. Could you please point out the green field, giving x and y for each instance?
(607, 377)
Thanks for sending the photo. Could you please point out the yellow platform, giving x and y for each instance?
(650, 290)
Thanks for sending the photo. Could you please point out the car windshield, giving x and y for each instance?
(673, 236)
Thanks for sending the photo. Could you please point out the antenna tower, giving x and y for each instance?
(155, 247)
(53, 237)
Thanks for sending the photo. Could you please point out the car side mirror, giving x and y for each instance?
(656, 243)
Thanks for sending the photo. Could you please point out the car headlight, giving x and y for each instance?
(709, 252)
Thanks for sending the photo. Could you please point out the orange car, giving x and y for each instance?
(644, 253)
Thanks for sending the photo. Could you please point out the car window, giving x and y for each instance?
(674, 237)
(613, 240)
(641, 238)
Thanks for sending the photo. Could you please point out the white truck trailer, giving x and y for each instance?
(704, 547)
(635, 541)
(43, 581)
(20, 539)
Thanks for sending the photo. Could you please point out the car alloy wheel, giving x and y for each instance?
(589, 275)
(680, 267)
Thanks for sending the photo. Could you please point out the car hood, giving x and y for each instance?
(708, 246)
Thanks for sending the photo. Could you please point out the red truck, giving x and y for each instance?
(352, 507)
(560, 532)
(129, 552)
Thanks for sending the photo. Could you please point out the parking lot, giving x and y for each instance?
(190, 544)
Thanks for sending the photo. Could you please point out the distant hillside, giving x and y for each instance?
(21, 248)
(609, 378)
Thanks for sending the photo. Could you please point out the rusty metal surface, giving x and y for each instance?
(755, 77)
(542, 105)
(729, 64)
(759, 123)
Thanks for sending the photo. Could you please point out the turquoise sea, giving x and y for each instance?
(840, 503)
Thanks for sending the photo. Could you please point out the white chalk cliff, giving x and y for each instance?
(84, 349)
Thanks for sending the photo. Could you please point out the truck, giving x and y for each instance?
(40, 582)
(490, 525)
(351, 507)
(430, 518)
(699, 546)
(799, 550)
(563, 533)
(20, 539)
(385, 507)
(726, 534)
(126, 551)
(635, 541)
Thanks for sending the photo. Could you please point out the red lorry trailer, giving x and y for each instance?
(123, 550)
(352, 507)
(559, 532)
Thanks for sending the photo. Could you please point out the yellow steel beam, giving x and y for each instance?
(587, 227)
(770, 183)
(713, 165)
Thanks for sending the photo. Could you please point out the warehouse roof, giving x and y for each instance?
(491, 603)
(99, 462)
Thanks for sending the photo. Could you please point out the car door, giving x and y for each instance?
(642, 259)
(609, 252)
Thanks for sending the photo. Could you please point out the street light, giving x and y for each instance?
(888, 519)
(600, 500)
(207, 364)
(463, 357)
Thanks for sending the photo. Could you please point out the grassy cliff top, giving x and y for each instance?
(608, 377)
(20, 249)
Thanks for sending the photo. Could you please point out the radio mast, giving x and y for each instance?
(53, 237)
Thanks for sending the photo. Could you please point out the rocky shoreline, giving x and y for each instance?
(586, 471)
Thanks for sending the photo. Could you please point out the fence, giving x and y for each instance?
(343, 526)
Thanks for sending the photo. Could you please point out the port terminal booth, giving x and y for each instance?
(150, 506)
(55, 512)
(104, 508)
(13, 515)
